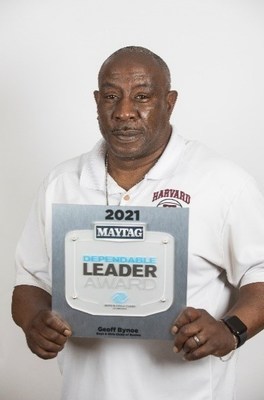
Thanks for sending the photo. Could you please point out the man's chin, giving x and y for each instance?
(126, 151)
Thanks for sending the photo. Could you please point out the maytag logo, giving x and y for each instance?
(126, 232)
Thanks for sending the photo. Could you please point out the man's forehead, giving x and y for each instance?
(136, 67)
(126, 75)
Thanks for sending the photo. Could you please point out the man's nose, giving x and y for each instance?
(125, 109)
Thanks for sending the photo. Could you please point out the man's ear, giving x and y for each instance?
(171, 100)
(96, 96)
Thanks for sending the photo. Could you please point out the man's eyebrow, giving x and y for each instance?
(145, 85)
(107, 85)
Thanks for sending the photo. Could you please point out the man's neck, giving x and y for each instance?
(128, 172)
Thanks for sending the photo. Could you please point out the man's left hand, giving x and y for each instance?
(198, 335)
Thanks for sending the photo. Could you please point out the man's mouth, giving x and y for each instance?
(127, 134)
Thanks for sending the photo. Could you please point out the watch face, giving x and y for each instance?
(236, 325)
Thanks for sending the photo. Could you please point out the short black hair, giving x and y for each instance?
(142, 50)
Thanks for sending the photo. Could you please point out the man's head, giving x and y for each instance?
(134, 50)
(134, 103)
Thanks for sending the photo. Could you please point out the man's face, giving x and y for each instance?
(134, 106)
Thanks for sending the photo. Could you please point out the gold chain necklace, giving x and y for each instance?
(106, 180)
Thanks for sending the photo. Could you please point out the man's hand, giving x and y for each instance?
(198, 334)
(47, 334)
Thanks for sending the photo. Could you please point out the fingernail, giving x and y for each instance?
(67, 332)
(175, 349)
(174, 330)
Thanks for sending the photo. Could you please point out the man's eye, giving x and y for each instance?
(142, 97)
(110, 96)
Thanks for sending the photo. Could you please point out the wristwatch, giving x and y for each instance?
(237, 327)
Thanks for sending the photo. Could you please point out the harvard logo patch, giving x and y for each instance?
(171, 198)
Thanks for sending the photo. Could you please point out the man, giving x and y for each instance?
(141, 161)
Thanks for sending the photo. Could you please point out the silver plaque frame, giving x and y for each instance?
(71, 223)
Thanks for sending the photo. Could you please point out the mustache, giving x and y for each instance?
(125, 128)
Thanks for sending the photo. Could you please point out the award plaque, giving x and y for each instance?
(119, 272)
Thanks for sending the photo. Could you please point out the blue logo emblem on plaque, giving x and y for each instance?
(120, 298)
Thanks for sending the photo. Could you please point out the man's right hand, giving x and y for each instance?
(47, 334)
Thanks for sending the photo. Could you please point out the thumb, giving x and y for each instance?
(57, 323)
